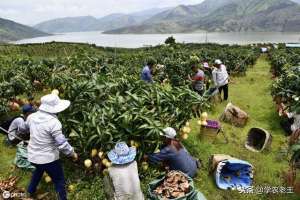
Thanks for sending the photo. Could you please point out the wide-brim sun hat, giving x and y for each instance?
(218, 62)
(169, 133)
(51, 103)
(122, 154)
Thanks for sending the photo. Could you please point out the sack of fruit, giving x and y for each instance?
(234, 115)
(176, 186)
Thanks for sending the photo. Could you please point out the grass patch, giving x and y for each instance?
(252, 94)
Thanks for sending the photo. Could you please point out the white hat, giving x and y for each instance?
(51, 103)
(169, 133)
(218, 62)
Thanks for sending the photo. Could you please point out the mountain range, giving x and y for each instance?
(89, 23)
(210, 15)
(10, 30)
(223, 15)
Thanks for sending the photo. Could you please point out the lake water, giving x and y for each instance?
(139, 40)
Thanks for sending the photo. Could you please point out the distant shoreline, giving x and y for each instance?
(140, 40)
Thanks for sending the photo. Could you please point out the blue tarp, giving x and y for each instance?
(233, 174)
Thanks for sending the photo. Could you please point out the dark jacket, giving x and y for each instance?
(177, 160)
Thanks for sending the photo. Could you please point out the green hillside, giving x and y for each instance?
(226, 15)
(10, 31)
(254, 15)
(68, 24)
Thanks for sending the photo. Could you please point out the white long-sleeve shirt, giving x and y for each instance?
(220, 76)
(16, 128)
(46, 138)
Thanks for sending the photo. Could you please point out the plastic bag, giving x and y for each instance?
(21, 157)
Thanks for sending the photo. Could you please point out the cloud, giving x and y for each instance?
(34, 11)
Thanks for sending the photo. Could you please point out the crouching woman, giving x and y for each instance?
(122, 181)
(174, 155)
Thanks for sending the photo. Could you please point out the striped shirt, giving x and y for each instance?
(199, 80)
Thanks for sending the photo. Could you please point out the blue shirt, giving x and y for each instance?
(146, 75)
(177, 160)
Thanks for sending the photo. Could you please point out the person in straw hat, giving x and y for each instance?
(174, 155)
(46, 141)
(122, 181)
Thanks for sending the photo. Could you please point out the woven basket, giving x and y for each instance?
(258, 139)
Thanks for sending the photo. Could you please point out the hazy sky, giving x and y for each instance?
(34, 11)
